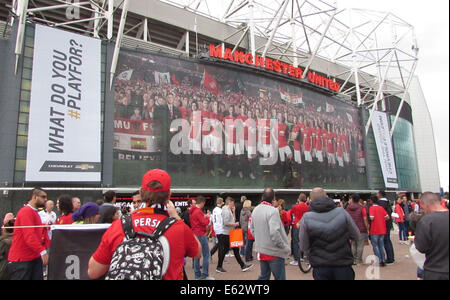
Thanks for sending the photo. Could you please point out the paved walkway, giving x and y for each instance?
(404, 267)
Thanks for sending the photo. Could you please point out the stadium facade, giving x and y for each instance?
(294, 96)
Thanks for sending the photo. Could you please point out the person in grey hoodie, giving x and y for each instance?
(325, 234)
(271, 241)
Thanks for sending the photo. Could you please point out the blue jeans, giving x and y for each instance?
(333, 273)
(205, 253)
(402, 231)
(249, 250)
(275, 266)
(378, 247)
(388, 246)
(245, 234)
(295, 241)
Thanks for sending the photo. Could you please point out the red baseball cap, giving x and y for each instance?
(156, 175)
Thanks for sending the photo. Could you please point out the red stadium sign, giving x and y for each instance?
(271, 65)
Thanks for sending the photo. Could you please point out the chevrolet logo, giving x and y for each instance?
(84, 167)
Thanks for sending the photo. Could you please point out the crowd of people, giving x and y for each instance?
(310, 140)
(330, 235)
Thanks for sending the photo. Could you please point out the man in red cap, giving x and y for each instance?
(155, 192)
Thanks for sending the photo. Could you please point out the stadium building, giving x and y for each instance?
(228, 96)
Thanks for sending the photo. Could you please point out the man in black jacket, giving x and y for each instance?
(432, 238)
(325, 234)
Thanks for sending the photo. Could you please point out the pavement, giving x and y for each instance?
(403, 268)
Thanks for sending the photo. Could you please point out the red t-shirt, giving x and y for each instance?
(320, 138)
(28, 243)
(198, 221)
(285, 218)
(364, 212)
(298, 129)
(378, 225)
(297, 212)
(330, 145)
(307, 138)
(400, 212)
(181, 240)
(206, 123)
(65, 220)
(282, 135)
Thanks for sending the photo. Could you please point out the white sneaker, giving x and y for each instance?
(252, 176)
(228, 174)
(294, 263)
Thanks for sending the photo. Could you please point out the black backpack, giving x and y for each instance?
(141, 256)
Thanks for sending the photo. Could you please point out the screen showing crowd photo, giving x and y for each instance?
(216, 127)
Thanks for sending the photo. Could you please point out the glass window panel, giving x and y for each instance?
(22, 129)
(25, 95)
(28, 52)
(22, 141)
(29, 41)
(26, 73)
(19, 176)
(26, 84)
(24, 106)
(27, 63)
(23, 118)
(21, 164)
(21, 153)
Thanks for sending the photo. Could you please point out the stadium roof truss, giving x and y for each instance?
(373, 54)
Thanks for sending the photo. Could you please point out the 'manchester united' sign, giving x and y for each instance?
(271, 65)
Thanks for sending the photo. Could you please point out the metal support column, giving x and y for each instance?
(123, 19)
(274, 31)
(408, 84)
(319, 44)
(22, 7)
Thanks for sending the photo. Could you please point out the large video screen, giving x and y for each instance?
(213, 126)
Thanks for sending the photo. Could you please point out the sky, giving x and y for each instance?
(431, 22)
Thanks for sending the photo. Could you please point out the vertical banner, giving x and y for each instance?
(385, 151)
(64, 141)
(71, 248)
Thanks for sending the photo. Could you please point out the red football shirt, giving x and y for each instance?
(206, 124)
(65, 220)
(181, 240)
(307, 138)
(282, 133)
(298, 129)
(330, 145)
(378, 225)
